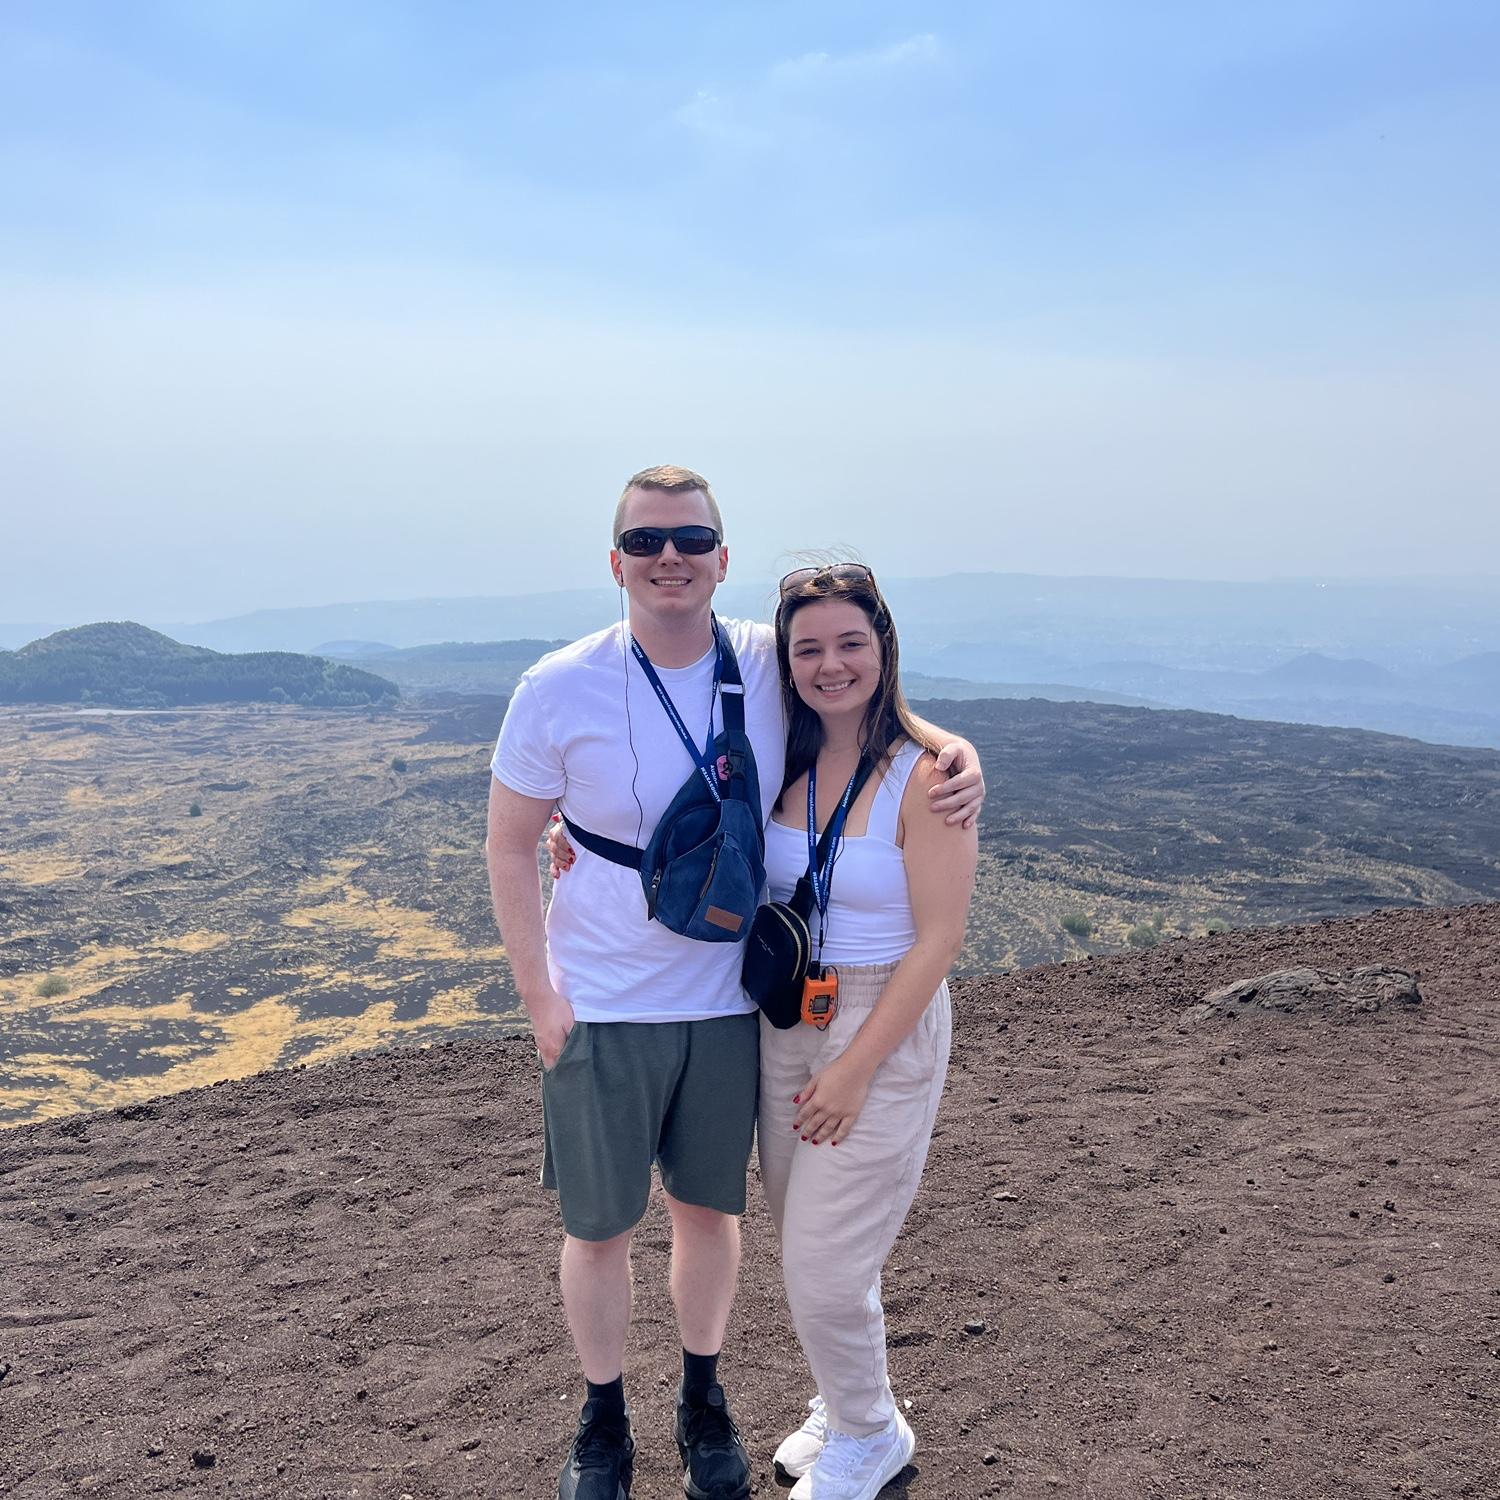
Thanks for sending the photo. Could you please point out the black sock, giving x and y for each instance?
(609, 1398)
(699, 1371)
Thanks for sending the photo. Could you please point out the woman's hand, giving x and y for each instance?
(962, 795)
(559, 850)
(831, 1102)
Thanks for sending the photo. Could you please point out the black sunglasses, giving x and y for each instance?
(648, 541)
(839, 572)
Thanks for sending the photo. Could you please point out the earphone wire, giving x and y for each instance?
(640, 822)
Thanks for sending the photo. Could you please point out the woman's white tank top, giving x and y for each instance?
(869, 911)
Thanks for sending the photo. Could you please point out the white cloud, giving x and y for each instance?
(782, 98)
(811, 68)
(725, 122)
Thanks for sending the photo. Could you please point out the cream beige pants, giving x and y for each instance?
(839, 1208)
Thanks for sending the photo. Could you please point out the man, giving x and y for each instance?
(649, 1048)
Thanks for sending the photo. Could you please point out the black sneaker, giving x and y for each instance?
(715, 1464)
(601, 1463)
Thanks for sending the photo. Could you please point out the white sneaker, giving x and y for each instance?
(851, 1468)
(799, 1451)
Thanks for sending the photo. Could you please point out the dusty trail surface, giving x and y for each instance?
(1153, 1256)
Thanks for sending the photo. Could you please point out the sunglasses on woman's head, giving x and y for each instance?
(839, 572)
(648, 541)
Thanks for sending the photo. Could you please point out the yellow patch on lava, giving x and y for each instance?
(49, 1084)
(405, 932)
(377, 1026)
(96, 968)
(195, 942)
(335, 876)
(38, 868)
(69, 747)
(251, 1041)
(179, 1008)
(346, 1034)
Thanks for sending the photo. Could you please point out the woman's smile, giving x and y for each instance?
(835, 659)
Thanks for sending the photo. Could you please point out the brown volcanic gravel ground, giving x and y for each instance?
(1255, 1257)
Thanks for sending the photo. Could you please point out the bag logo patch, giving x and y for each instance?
(728, 920)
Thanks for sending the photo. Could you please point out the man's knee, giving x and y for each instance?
(600, 1254)
(702, 1223)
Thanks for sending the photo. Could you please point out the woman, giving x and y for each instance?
(847, 1108)
(847, 1111)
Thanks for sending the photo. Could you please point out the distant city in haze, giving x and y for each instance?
(379, 302)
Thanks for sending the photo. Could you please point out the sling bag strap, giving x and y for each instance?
(703, 759)
(803, 897)
(731, 689)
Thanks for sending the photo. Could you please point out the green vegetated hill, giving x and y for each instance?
(124, 665)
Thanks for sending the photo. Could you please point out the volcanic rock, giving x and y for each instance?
(1327, 991)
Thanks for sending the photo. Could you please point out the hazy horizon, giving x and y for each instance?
(159, 621)
(365, 303)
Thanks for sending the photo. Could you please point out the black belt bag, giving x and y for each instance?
(778, 952)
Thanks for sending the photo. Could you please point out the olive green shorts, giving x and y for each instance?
(625, 1094)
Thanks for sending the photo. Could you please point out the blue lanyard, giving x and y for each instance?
(822, 878)
(706, 761)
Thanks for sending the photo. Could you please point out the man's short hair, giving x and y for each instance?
(674, 480)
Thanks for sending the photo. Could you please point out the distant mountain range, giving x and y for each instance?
(123, 665)
(920, 685)
(473, 667)
(1455, 702)
(996, 627)
(494, 667)
(1315, 672)
(1418, 656)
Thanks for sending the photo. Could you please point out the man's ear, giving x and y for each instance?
(615, 568)
(723, 562)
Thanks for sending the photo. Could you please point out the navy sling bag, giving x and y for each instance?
(704, 866)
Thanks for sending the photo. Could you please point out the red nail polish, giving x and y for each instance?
(804, 1138)
(796, 1098)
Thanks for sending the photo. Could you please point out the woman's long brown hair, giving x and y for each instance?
(887, 717)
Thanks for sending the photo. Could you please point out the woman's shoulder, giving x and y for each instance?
(911, 763)
(916, 811)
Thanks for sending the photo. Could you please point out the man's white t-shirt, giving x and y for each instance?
(586, 727)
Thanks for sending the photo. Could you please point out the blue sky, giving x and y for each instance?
(337, 301)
